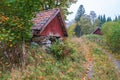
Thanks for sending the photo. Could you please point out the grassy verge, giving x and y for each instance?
(117, 56)
(104, 69)
(44, 66)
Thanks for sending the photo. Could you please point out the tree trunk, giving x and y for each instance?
(23, 54)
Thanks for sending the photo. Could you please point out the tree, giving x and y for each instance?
(77, 30)
(111, 31)
(96, 24)
(92, 16)
(100, 20)
(104, 19)
(80, 12)
(109, 19)
(119, 17)
(85, 25)
(71, 29)
(99, 17)
(116, 18)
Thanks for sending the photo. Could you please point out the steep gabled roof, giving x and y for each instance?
(43, 18)
(96, 30)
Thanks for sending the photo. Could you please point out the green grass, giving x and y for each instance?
(44, 66)
(104, 69)
(116, 55)
(98, 39)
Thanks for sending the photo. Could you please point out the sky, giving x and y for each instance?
(110, 8)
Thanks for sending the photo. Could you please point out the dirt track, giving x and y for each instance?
(89, 59)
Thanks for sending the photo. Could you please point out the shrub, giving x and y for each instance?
(111, 31)
(56, 49)
(71, 30)
(61, 50)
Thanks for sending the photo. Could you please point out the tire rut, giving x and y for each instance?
(89, 61)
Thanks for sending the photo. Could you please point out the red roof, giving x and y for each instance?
(43, 18)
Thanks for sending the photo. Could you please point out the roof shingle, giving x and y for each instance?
(44, 18)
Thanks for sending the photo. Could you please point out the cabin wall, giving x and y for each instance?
(53, 27)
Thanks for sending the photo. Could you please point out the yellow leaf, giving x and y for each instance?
(10, 45)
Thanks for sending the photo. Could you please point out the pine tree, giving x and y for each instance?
(80, 12)
(116, 18)
(109, 19)
(119, 17)
(104, 19)
(100, 20)
(77, 30)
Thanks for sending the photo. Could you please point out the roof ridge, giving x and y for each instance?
(43, 17)
(50, 19)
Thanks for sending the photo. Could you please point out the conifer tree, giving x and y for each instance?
(80, 12)
(109, 19)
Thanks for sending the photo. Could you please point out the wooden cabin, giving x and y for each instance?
(97, 31)
(47, 24)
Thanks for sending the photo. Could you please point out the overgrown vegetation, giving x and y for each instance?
(98, 39)
(71, 31)
(61, 50)
(15, 26)
(111, 31)
(103, 67)
(44, 66)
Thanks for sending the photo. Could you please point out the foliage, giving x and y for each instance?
(103, 66)
(70, 30)
(94, 37)
(85, 25)
(111, 31)
(60, 50)
(94, 20)
(80, 12)
(102, 19)
(16, 16)
(77, 30)
(92, 16)
(109, 19)
(16, 27)
(43, 66)
(97, 23)
(117, 18)
(57, 49)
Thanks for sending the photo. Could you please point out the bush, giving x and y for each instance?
(111, 31)
(70, 30)
(59, 50)
(56, 49)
